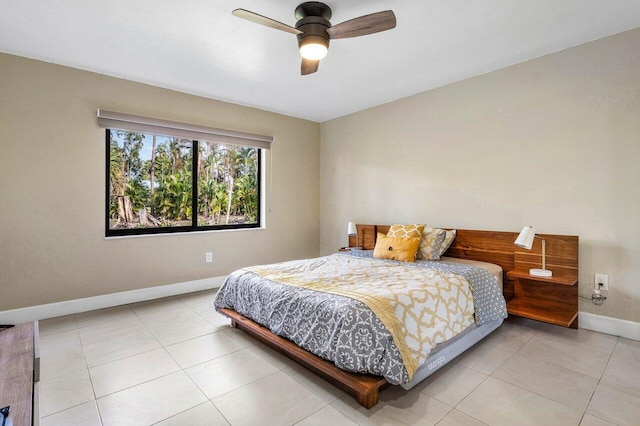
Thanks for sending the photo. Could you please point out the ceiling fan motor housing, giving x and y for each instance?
(313, 8)
(313, 20)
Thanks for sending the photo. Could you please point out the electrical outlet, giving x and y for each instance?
(209, 257)
(601, 282)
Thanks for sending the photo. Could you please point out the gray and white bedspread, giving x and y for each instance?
(338, 328)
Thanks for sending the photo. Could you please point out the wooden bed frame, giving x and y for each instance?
(487, 246)
(364, 387)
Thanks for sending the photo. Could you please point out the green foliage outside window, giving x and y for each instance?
(151, 184)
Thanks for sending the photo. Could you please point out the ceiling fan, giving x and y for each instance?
(314, 30)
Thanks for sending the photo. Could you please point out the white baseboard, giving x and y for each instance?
(609, 325)
(50, 310)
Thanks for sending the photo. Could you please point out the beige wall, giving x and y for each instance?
(553, 142)
(52, 180)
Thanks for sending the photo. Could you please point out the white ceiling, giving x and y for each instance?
(198, 47)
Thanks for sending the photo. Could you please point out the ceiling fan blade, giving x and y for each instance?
(309, 66)
(367, 24)
(263, 20)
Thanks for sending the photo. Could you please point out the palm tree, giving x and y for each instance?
(246, 196)
(152, 172)
(117, 181)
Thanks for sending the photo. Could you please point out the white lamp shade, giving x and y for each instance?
(351, 229)
(525, 239)
(313, 51)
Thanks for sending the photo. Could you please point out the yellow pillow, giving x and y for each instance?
(396, 248)
(431, 244)
(406, 231)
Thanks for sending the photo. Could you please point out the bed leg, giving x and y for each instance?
(368, 398)
(234, 324)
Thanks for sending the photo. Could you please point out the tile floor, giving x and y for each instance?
(175, 361)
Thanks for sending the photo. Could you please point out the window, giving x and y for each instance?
(163, 184)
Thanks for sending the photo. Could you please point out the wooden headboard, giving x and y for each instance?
(497, 247)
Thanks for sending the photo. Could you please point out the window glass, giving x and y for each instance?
(151, 185)
(227, 184)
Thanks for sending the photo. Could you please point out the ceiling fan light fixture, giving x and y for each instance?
(314, 30)
(314, 47)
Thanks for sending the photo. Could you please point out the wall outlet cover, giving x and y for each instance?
(601, 282)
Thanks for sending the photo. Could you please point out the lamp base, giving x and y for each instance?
(540, 272)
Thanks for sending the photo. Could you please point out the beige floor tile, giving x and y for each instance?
(485, 357)
(108, 331)
(198, 298)
(545, 327)
(59, 342)
(82, 415)
(203, 305)
(458, 418)
(62, 363)
(150, 402)
(165, 318)
(511, 336)
(241, 336)
(100, 316)
(624, 365)
(272, 356)
(399, 406)
(615, 403)
(218, 320)
(350, 408)
(589, 420)
(396, 407)
(327, 415)
(548, 377)
(159, 309)
(124, 373)
(181, 327)
(269, 396)
(550, 380)
(581, 337)
(204, 348)
(120, 347)
(203, 415)
(65, 392)
(56, 325)
(499, 403)
(590, 362)
(229, 372)
(319, 386)
(525, 322)
(452, 384)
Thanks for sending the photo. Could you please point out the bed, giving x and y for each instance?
(356, 343)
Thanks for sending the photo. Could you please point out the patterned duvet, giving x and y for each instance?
(356, 311)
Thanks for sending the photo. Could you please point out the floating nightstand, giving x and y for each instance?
(540, 294)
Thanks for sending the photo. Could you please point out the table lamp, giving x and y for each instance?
(352, 231)
(525, 240)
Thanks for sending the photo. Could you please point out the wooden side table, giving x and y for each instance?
(20, 373)
(548, 299)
